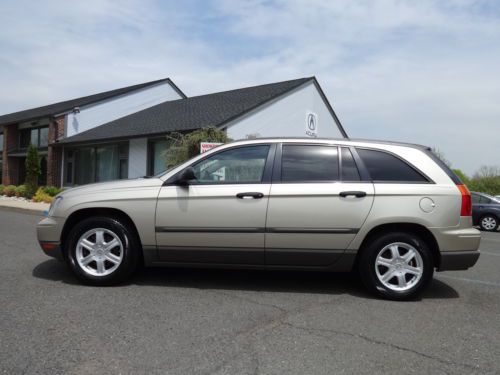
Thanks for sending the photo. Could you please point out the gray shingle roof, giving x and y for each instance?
(57, 108)
(187, 114)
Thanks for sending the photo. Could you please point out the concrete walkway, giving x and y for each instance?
(21, 205)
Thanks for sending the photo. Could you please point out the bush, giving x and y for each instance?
(9, 190)
(51, 190)
(185, 146)
(488, 185)
(42, 196)
(33, 170)
(21, 192)
(1, 189)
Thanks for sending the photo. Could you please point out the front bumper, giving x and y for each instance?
(49, 235)
(52, 249)
(458, 260)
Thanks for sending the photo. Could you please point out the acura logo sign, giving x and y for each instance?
(311, 124)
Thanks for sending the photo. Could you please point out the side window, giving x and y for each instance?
(238, 165)
(349, 170)
(475, 198)
(383, 166)
(484, 200)
(309, 163)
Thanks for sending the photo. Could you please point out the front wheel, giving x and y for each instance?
(102, 251)
(488, 223)
(396, 266)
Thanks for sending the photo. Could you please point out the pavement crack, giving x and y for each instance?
(319, 332)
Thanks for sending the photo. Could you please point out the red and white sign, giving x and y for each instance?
(207, 146)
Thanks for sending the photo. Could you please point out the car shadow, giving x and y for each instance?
(246, 280)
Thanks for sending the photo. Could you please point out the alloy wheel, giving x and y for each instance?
(99, 252)
(399, 266)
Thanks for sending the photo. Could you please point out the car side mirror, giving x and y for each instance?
(185, 176)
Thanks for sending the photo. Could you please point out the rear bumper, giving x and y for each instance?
(458, 260)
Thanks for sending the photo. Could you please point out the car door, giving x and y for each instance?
(220, 216)
(317, 204)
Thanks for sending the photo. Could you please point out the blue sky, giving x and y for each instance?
(419, 71)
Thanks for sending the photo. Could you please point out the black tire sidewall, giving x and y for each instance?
(130, 253)
(488, 230)
(367, 265)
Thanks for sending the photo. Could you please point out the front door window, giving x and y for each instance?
(235, 166)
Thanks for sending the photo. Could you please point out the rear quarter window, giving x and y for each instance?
(385, 167)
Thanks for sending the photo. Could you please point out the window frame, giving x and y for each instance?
(427, 179)
(363, 174)
(94, 146)
(38, 130)
(266, 175)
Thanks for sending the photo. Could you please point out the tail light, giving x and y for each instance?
(466, 209)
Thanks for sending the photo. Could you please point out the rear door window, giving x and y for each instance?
(385, 167)
(309, 163)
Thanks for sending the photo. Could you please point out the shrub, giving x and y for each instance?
(41, 196)
(1, 189)
(51, 190)
(33, 170)
(9, 190)
(185, 146)
(21, 191)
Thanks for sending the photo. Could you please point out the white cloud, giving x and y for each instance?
(423, 71)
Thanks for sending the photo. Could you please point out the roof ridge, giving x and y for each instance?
(100, 96)
(303, 79)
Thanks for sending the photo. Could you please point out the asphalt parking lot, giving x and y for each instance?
(187, 321)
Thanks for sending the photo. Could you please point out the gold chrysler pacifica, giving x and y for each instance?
(393, 212)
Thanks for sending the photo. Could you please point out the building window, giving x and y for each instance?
(86, 165)
(38, 137)
(157, 159)
(1, 142)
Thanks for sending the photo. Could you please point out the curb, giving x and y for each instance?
(29, 211)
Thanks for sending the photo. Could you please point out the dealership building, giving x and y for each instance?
(122, 133)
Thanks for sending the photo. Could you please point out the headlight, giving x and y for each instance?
(53, 206)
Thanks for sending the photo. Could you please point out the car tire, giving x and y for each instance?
(488, 223)
(102, 251)
(396, 266)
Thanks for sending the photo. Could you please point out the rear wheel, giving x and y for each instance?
(102, 251)
(488, 223)
(396, 266)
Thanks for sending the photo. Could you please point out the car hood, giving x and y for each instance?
(113, 185)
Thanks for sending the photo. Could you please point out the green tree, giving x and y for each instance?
(462, 176)
(186, 146)
(33, 170)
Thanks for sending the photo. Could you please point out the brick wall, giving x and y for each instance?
(54, 156)
(10, 170)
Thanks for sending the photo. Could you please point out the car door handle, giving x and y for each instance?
(357, 194)
(254, 195)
